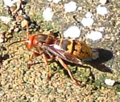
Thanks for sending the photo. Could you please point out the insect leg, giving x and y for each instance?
(68, 70)
(34, 54)
(31, 58)
(48, 68)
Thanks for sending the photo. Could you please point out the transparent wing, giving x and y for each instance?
(58, 51)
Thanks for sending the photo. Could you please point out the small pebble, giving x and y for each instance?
(94, 35)
(16, 29)
(102, 29)
(101, 10)
(109, 82)
(70, 7)
(5, 20)
(47, 14)
(79, 8)
(103, 2)
(88, 15)
(88, 20)
(49, 0)
(118, 53)
(72, 32)
(24, 23)
(10, 2)
(2, 37)
(56, 1)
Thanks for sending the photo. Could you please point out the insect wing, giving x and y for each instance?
(58, 51)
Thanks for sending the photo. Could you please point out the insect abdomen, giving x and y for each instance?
(74, 47)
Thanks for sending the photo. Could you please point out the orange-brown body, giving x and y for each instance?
(75, 48)
(70, 50)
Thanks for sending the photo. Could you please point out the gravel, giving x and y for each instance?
(18, 83)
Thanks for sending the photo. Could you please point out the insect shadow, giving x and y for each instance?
(104, 56)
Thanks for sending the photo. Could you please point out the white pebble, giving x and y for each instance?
(101, 29)
(49, 0)
(94, 35)
(79, 8)
(88, 15)
(10, 2)
(70, 7)
(109, 82)
(86, 22)
(2, 37)
(1, 40)
(103, 2)
(101, 10)
(56, 1)
(47, 14)
(5, 20)
(72, 32)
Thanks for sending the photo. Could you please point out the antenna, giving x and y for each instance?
(20, 40)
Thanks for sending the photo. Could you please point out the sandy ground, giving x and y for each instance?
(18, 83)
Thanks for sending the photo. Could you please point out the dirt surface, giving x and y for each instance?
(18, 83)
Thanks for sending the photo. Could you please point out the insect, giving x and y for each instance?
(61, 50)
